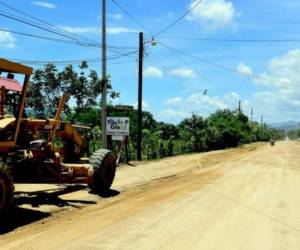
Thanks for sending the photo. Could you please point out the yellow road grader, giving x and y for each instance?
(28, 152)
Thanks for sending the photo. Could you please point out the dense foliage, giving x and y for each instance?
(48, 85)
(222, 129)
(294, 134)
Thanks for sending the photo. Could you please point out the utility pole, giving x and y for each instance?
(251, 114)
(240, 108)
(261, 120)
(140, 97)
(104, 77)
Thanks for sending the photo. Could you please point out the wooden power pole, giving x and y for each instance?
(140, 97)
(104, 78)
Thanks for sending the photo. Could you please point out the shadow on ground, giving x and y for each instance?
(107, 194)
(19, 216)
(50, 197)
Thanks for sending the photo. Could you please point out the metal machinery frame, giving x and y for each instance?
(35, 159)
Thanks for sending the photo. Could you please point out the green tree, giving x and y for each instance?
(48, 85)
(168, 130)
(194, 129)
(227, 129)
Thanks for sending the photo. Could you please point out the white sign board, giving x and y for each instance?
(117, 126)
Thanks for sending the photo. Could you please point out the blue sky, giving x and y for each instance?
(173, 87)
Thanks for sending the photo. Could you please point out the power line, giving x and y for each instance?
(47, 38)
(57, 28)
(128, 62)
(132, 17)
(157, 62)
(55, 62)
(185, 63)
(164, 29)
(169, 26)
(228, 68)
(73, 61)
(114, 49)
(233, 40)
(152, 62)
(144, 28)
(44, 22)
(179, 18)
(123, 55)
(18, 19)
(192, 56)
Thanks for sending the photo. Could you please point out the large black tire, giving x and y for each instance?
(104, 165)
(6, 189)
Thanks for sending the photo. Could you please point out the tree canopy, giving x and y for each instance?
(48, 85)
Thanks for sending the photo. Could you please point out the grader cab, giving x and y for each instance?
(42, 151)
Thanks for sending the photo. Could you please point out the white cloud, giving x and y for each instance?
(278, 99)
(46, 5)
(172, 116)
(243, 68)
(119, 30)
(174, 101)
(153, 72)
(170, 13)
(283, 71)
(94, 30)
(212, 15)
(7, 40)
(208, 103)
(179, 108)
(145, 106)
(286, 67)
(183, 73)
(115, 16)
(232, 99)
(80, 30)
(232, 96)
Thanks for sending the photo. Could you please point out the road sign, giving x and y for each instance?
(117, 126)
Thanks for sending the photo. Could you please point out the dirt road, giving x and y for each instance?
(235, 199)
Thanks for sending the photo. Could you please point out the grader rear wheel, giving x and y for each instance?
(6, 189)
(104, 164)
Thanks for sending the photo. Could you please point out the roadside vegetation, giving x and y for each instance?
(222, 129)
(294, 134)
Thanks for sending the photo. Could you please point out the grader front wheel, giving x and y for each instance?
(104, 165)
(6, 189)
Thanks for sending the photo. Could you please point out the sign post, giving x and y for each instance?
(118, 128)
